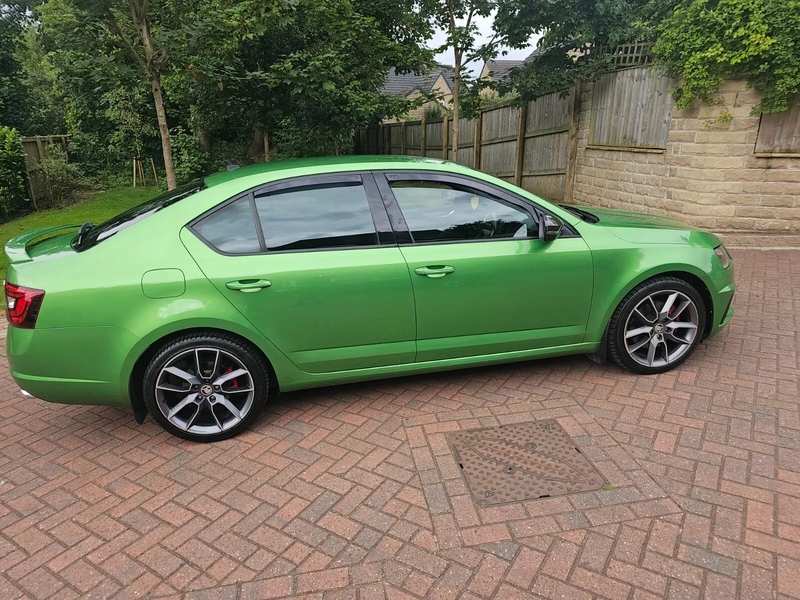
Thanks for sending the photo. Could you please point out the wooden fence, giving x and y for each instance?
(35, 149)
(529, 145)
(631, 108)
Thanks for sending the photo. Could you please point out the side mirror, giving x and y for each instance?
(549, 228)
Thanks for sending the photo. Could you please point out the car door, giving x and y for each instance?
(483, 281)
(313, 264)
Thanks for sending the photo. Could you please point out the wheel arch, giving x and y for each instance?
(136, 375)
(698, 284)
(687, 273)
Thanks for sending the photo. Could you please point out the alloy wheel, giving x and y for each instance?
(204, 391)
(661, 328)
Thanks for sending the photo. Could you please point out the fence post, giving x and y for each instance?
(476, 149)
(445, 136)
(572, 147)
(523, 120)
(423, 137)
(33, 193)
(403, 138)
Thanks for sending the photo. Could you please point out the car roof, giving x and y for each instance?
(329, 163)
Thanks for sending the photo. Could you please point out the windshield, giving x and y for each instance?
(122, 221)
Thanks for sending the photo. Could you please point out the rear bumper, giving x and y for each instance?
(71, 365)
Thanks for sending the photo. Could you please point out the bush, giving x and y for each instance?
(64, 179)
(704, 41)
(13, 176)
(190, 162)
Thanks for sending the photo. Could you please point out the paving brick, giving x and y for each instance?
(352, 490)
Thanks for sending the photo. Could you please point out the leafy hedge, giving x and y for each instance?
(704, 40)
(13, 176)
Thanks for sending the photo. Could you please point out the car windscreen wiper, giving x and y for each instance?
(579, 212)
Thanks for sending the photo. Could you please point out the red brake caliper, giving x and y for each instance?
(235, 382)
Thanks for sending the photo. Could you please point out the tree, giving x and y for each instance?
(154, 38)
(570, 29)
(12, 90)
(313, 75)
(457, 19)
(44, 109)
(330, 64)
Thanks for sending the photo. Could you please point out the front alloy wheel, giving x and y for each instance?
(657, 326)
(206, 387)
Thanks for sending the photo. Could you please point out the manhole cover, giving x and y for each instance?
(524, 461)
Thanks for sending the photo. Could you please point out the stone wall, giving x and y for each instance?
(709, 174)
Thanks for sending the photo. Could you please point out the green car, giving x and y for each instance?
(197, 305)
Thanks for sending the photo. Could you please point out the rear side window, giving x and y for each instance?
(313, 218)
(122, 221)
(231, 229)
(304, 218)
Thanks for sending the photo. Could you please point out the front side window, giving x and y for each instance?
(437, 211)
(313, 218)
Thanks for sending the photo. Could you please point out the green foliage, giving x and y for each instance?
(318, 75)
(434, 111)
(13, 178)
(704, 40)
(64, 178)
(12, 90)
(306, 72)
(190, 162)
(44, 109)
(130, 112)
(568, 29)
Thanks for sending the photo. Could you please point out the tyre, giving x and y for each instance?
(206, 387)
(657, 326)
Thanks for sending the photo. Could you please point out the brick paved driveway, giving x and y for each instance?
(352, 492)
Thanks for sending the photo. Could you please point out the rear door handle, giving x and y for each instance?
(248, 285)
(434, 272)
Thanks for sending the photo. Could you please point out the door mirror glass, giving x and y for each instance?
(549, 228)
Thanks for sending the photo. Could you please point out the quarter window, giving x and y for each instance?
(437, 211)
(231, 229)
(316, 217)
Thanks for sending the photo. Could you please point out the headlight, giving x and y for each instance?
(723, 256)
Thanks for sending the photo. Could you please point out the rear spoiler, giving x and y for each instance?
(17, 247)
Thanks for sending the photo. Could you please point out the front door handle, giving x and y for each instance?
(248, 285)
(434, 272)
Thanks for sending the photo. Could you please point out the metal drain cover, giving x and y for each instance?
(524, 461)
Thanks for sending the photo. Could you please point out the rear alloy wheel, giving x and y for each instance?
(657, 326)
(206, 387)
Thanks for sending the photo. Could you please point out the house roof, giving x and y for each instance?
(499, 69)
(405, 83)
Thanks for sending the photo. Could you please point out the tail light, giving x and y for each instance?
(22, 305)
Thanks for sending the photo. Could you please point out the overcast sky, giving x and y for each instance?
(485, 27)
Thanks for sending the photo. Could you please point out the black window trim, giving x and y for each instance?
(384, 180)
(383, 228)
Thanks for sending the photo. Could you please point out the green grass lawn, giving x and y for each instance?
(100, 207)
